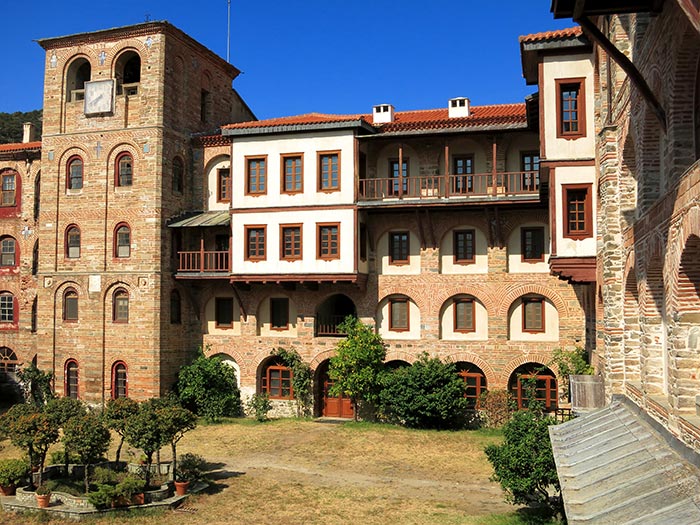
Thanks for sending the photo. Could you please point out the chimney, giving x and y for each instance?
(383, 114)
(28, 132)
(458, 107)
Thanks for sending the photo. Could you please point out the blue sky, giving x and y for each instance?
(299, 56)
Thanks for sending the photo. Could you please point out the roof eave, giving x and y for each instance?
(445, 131)
(299, 128)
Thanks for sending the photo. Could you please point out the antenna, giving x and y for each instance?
(228, 32)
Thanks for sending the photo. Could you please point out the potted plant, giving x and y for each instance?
(190, 468)
(129, 491)
(43, 495)
(12, 472)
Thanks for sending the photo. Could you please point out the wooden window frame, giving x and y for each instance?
(481, 385)
(279, 301)
(71, 364)
(532, 300)
(551, 399)
(320, 226)
(462, 183)
(223, 185)
(8, 192)
(394, 187)
(114, 387)
(561, 84)
(319, 159)
(392, 238)
(120, 295)
(118, 172)
(527, 183)
(407, 303)
(13, 311)
(257, 257)
(456, 255)
(523, 234)
(117, 245)
(14, 253)
(283, 252)
(69, 228)
(69, 177)
(217, 324)
(286, 377)
(72, 294)
(455, 317)
(567, 191)
(248, 159)
(284, 157)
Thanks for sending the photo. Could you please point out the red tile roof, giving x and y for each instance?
(308, 118)
(552, 35)
(20, 146)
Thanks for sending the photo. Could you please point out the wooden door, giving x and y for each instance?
(335, 406)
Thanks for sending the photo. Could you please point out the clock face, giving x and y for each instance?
(99, 97)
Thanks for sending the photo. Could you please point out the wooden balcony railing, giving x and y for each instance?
(203, 261)
(440, 186)
(327, 325)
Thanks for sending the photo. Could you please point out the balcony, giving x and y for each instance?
(327, 326)
(481, 187)
(204, 262)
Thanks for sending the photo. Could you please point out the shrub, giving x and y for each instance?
(301, 380)
(13, 471)
(495, 407)
(209, 388)
(117, 412)
(260, 405)
(571, 362)
(63, 456)
(428, 394)
(36, 385)
(103, 496)
(129, 485)
(89, 439)
(191, 468)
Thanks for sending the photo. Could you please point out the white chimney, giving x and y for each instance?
(28, 132)
(458, 107)
(383, 114)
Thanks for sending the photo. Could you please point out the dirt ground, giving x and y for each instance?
(292, 471)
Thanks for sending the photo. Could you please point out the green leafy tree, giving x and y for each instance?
(301, 379)
(175, 422)
(11, 125)
(61, 410)
(571, 362)
(36, 385)
(144, 431)
(209, 388)
(88, 438)
(524, 463)
(116, 414)
(428, 394)
(358, 364)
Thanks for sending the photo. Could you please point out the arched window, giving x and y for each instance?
(78, 73)
(8, 361)
(74, 170)
(8, 252)
(533, 378)
(73, 242)
(7, 308)
(178, 175)
(35, 308)
(175, 307)
(122, 241)
(475, 382)
(37, 195)
(70, 381)
(128, 73)
(119, 380)
(70, 305)
(124, 169)
(9, 188)
(276, 380)
(35, 258)
(120, 306)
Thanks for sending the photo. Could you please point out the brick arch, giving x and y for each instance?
(510, 223)
(467, 289)
(387, 227)
(459, 223)
(400, 355)
(69, 152)
(122, 147)
(632, 328)
(684, 262)
(61, 287)
(211, 351)
(468, 357)
(531, 288)
(537, 358)
(113, 284)
(130, 44)
(271, 295)
(398, 289)
(322, 298)
(320, 358)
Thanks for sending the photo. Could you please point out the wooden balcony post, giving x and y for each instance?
(447, 170)
(401, 171)
(493, 165)
(201, 253)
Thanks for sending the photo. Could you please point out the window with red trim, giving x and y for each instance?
(9, 189)
(223, 185)
(328, 241)
(533, 314)
(70, 381)
(255, 243)
(122, 241)
(464, 246)
(290, 239)
(578, 212)
(124, 169)
(256, 175)
(279, 313)
(571, 112)
(399, 248)
(464, 315)
(532, 244)
(292, 173)
(73, 242)
(120, 306)
(329, 171)
(70, 305)
(474, 381)
(74, 169)
(399, 315)
(119, 380)
(276, 380)
(534, 377)
(8, 308)
(8, 252)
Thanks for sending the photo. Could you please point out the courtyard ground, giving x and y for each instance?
(296, 471)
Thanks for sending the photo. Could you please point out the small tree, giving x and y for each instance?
(116, 414)
(143, 431)
(175, 422)
(428, 394)
(524, 463)
(61, 410)
(495, 407)
(89, 439)
(568, 363)
(301, 379)
(358, 363)
(209, 388)
(36, 385)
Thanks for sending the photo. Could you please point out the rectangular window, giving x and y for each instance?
(363, 241)
(256, 175)
(121, 308)
(329, 171)
(279, 313)
(532, 244)
(328, 241)
(223, 314)
(223, 185)
(578, 212)
(464, 246)
(464, 315)
(398, 315)
(570, 108)
(462, 169)
(533, 315)
(277, 382)
(7, 308)
(399, 249)
(292, 173)
(395, 174)
(8, 190)
(290, 238)
(70, 306)
(530, 166)
(255, 243)
(7, 252)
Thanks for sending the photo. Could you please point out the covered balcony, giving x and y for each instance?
(201, 245)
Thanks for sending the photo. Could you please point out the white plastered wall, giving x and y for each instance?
(413, 266)
(481, 319)
(383, 321)
(515, 262)
(222, 161)
(574, 175)
(481, 258)
(264, 324)
(210, 317)
(515, 323)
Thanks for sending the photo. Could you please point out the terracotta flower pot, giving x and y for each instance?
(138, 499)
(7, 490)
(42, 500)
(181, 487)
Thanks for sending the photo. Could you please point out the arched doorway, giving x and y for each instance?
(545, 385)
(331, 312)
(396, 363)
(328, 405)
(475, 379)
